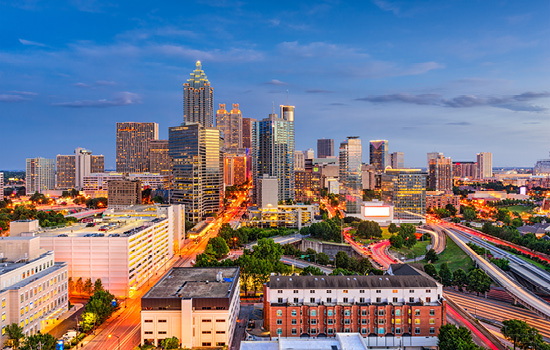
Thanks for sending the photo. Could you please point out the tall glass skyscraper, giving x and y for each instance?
(40, 175)
(198, 99)
(231, 126)
(406, 190)
(350, 174)
(379, 154)
(273, 151)
(132, 146)
(325, 148)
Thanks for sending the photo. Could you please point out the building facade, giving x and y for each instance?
(123, 193)
(65, 177)
(351, 181)
(376, 306)
(440, 174)
(199, 306)
(465, 170)
(97, 184)
(299, 161)
(235, 169)
(71, 169)
(248, 123)
(406, 190)
(40, 175)
(485, 165)
(198, 161)
(159, 159)
(288, 216)
(325, 148)
(132, 146)
(378, 152)
(198, 99)
(1, 186)
(397, 160)
(308, 185)
(230, 125)
(439, 200)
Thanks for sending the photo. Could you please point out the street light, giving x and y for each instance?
(118, 339)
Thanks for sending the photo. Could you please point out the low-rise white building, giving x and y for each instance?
(290, 216)
(96, 184)
(199, 306)
(34, 288)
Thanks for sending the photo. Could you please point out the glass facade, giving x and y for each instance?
(406, 190)
(198, 99)
(351, 175)
(379, 157)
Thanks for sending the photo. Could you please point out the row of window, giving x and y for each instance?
(331, 331)
(347, 300)
(345, 291)
(331, 321)
(347, 312)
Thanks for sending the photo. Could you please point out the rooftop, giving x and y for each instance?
(192, 282)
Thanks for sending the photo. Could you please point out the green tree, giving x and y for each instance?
(342, 260)
(170, 343)
(313, 270)
(446, 275)
(219, 246)
(396, 241)
(451, 209)
(158, 199)
(431, 256)
(408, 233)
(323, 259)
(469, 214)
(14, 336)
(88, 287)
(521, 334)
(98, 285)
(503, 215)
(478, 281)
(393, 228)
(517, 222)
(452, 338)
(459, 279)
(431, 270)
(369, 229)
(79, 285)
(42, 341)
(89, 321)
(100, 304)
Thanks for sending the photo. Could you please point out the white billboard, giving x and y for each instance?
(376, 212)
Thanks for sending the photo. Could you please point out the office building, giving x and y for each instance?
(406, 190)
(40, 175)
(440, 174)
(440, 199)
(273, 152)
(97, 184)
(197, 168)
(199, 306)
(397, 160)
(124, 193)
(299, 161)
(432, 155)
(71, 169)
(406, 303)
(65, 177)
(379, 156)
(325, 148)
(125, 248)
(248, 123)
(198, 99)
(286, 216)
(309, 153)
(465, 170)
(485, 165)
(235, 169)
(268, 192)
(159, 159)
(230, 125)
(132, 146)
(1, 186)
(307, 184)
(98, 163)
(542, 167)
(351, 180)
(83, 165)
(34, 289)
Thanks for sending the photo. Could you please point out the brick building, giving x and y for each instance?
(410, 303)
(439, 200)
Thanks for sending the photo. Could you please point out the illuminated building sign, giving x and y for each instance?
(377, 212)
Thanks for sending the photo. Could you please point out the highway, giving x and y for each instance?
(303, 264)
(514, 288)
(455, 318)
(439, 240)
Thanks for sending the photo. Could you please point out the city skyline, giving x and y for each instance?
(464, 81)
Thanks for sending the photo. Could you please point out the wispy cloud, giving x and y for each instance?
(319, 91)
(388, 6)
(231, 55)
(121, 99)
(97, 83)
(24, 93)
(275, 82)
(31, 43)
(459, 123)
(511, 102)
(12, 98)
(319, 49)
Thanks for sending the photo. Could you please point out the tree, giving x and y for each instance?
(219, 246)
(100, 304)
(469, 214)
(79, 285)
(445, 275)
(408, 233)
(89, 320)
(313, 270)
(431, 256)
(88, 287)
(43, 341)
(396, 241)
(452, 338)
(517, 222)
(451, 209)
(459, 279)
(158, 199)
(431, 270)
(323, 259)
(14, 335)
(393, 228)
(341, 260)
(478, 281)
(71, 285)
(98, 285)
(369, 229)
(521, 334)
(170, 343)
(503, 215)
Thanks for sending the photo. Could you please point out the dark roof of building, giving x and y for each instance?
(536, 228)
(419, 279)
(191, 282)
(406, 269)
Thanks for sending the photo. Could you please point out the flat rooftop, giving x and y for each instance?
(193, 282)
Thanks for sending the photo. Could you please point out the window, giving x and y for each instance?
(329, 300)
(378, 291)
(313, 321)
(329, 313)
(279, 313)
(293, 331)
(279, 322)
(313, 331)
(162, 321)
(329, 291)
(164, 332)
(361, 291)
(345, 291)
(432, 330)
(346, 330)
(148, 321)
(330, 321)
(417, 312)
(397, 321)
(206, 344)
(394, 291)
(148, 332)
(428, 290)
(411, 300)
(293, 313)
(280, 291)
(411, 290)
(428, 299)
(346, 313)
(378, 300)
(417, 330)
(208, 320)
(312, 291)
(381, 330)
(330, 331)
(364, 321)
(363, 331)
(295, 291)
(432, 312)
(312, 300)
(398, 331)
(381, 321)
(416, 321)
(346, 321)
(279, 331)
(364, 312)
(296, 300)
(313, 313)
(380, 312)
(361, 300)
(3, 303)
(280, 300)
(293, 322)
(395, 300)
(345, 300)
(220, 343)
(220, 320)
(432, 320)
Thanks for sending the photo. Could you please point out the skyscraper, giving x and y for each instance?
(379, 154)
(406, 189)
(440, 174)
(247, 132)
(325, 148)
(71, 169)
(82, 166)
(273, 152)
(159, 159)
(350, 174)
(485, 165)
(1, 186)
(198, 99)
(299, 161)
(397, 160)
(132, 146)
(309, 153)
(197, 168)
(231, 126)
(40, 175)
(65, 172)
(432, 155)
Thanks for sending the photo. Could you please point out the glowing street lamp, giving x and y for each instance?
(118, 339)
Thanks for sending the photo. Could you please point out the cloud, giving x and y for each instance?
(83, 85)
(337, 104)
(319, 91)
(25, 93)
(31, 43)
(275, 82)
(460, 123)
(12, 98)
(387, 6)
(511, 102)
(97, 83)
(319, 49)
(231, 55)
(122, 99)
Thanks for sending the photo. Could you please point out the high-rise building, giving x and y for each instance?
(197, 169)
(368, 177)
(40, 175)
(325, 148)
(299, 161)
(273, 152)
(308, 185)
(440, 174)
(132, 146)
(235, 169)
(351, 180)
(82, 166)
(268, 192)
(1, 186)
(485, 165)
(231, 126)
(72, 169)
(432, 155)
(65, 172)
(542, 167)
(397, 160)
(159, 159)
(309, 153)
(98, 163)
(247, 132)
(379, 154)
(406, 190)
(198, 99)
(124, 193)
(465, 170)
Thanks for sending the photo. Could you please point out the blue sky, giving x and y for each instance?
(458, 77)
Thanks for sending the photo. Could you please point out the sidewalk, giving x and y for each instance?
(61, 318)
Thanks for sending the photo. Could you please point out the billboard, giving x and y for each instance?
(376, 212)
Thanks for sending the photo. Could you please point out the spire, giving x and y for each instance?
(198, 65)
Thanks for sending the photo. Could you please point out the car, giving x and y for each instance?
(69, 335)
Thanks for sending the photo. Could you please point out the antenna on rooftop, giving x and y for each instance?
(287, 97)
